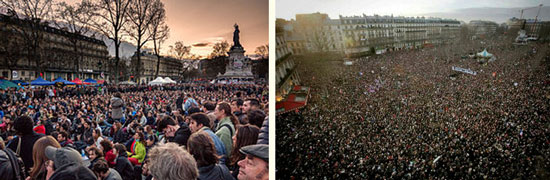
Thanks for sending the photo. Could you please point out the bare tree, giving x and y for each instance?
(75, 19)
(109, 19)
(465, 33)
(219, 49)
(141, 15)
(160, 32)
(318, 38)
(262, 51)
(180, 51)
(33, 16)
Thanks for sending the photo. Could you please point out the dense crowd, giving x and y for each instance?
(183, 131)
(408, 115)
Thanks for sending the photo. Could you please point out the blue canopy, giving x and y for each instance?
(90, 80)
(41, 82)
(19, 82)
(5, 84)
(59, 79)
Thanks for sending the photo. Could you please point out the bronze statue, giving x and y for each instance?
(236, 42)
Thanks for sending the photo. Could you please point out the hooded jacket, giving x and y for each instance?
(124, 167)
(182, 135)
(73, 171)
(214, 171)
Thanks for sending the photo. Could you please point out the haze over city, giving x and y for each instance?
(493, 10)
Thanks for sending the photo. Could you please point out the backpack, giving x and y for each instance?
(17, 164)
(228, 127)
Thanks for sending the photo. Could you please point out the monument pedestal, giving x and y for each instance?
(239, 67)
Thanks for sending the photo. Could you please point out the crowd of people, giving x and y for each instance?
(183, 131)
(407, 115)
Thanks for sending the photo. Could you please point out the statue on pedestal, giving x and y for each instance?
(236, 42)
(239, 65)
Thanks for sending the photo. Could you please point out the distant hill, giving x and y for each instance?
(499, 15)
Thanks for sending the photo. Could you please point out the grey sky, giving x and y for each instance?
(287, 9)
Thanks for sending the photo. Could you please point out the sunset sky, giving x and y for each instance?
(203, 23)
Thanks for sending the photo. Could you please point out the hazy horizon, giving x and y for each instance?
(454, 9)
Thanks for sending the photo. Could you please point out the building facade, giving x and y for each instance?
(286, 75)
(169, 67)
(282, 48)
(62, 53)
(369, 34)
(316, 33)
(361, 35)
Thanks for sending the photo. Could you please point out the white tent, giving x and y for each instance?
(168, 80)
(157, 81)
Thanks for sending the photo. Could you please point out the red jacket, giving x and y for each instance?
(40, 129)
(110, 157)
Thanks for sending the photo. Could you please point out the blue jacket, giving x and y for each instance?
(189, 102)
(220, 147)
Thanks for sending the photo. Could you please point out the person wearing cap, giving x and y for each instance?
(67, 164)
(256, 163)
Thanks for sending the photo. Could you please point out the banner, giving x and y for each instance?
(464, 70)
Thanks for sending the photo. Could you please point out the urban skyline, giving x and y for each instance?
(461, 10)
